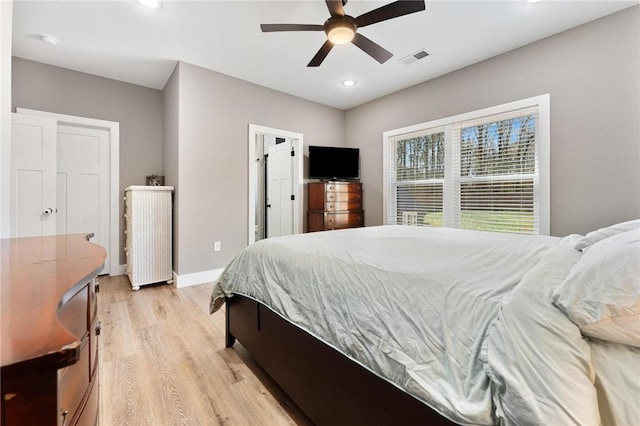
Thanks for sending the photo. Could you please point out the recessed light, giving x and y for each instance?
(349, 83)
(49, 39)
(152, 4)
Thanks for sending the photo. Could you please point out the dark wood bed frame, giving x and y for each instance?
(330, 388)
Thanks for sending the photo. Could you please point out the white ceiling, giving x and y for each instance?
(125, 41)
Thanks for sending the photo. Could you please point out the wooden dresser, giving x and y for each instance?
(49, 351)
(334, 205)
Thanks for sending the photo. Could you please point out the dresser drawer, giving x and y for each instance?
(93, 300)
(93, 347)
(342, 206)
(343, 220)
(74, 313)
(343, 187)
(73, 383)
(341, 197)
(88, 415)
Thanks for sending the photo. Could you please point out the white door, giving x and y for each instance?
(33, 176)
(60, 180)
(280, 190)
(83, 183)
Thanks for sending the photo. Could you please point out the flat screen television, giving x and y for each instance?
(334, 163)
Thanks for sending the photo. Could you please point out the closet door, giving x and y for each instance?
(61, 180)
(33, 176)
(83, 183)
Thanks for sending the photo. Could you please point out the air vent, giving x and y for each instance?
(414, 57)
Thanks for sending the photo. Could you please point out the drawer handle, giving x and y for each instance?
(97, 287)
(331, 187)
(331, 197)
(330, 206)
(98, 328)
(64, 417)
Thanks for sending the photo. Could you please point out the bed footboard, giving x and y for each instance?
(328, 386)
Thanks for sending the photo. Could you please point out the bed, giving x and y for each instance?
(416, 325)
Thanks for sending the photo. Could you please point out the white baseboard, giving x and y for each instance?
(185, 280)
(196, 278)
(121, 270)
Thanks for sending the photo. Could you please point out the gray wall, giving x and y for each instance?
(137, 109)
(171, 138)
(215, 113)
(592, 73)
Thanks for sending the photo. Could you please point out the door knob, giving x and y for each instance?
(48, 211)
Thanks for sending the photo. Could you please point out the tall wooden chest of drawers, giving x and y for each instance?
(334, 205)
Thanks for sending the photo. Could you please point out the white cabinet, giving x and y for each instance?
(148, 217)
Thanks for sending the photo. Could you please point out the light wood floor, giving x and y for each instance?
(163, 362)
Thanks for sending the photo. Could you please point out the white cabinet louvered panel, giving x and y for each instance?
(148, 211)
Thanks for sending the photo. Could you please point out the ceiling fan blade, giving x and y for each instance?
(389, 11)
(322, 53)
(372, 49)
(269, 28)
(335, 8)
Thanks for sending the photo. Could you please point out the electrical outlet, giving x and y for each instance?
(217, 246)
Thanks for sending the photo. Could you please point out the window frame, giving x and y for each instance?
(541, 102)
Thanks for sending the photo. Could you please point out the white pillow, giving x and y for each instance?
(601, 293)
(602, 233)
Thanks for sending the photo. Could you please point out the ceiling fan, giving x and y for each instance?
(342, 29)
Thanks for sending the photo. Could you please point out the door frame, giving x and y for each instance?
(113, 128)
(298, 143)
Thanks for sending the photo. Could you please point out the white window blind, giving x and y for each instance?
(417, 164)
(479, 171)
(495, 172)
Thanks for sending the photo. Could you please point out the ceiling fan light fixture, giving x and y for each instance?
(341, 32)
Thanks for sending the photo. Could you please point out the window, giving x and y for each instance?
(485, 170)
